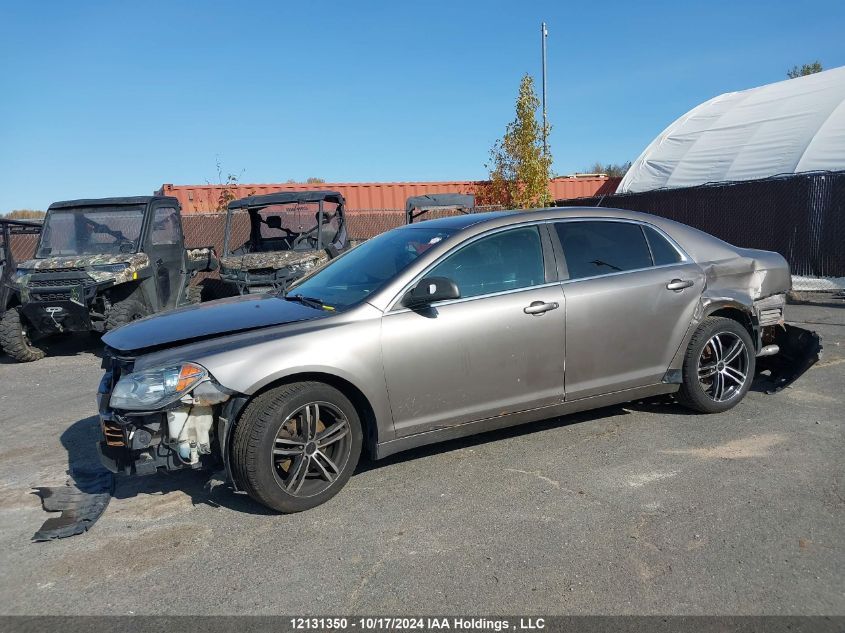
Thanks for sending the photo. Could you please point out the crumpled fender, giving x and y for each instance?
(736, 282)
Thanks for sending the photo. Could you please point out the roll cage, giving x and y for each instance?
(317, 236)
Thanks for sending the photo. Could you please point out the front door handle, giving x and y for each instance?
(539, 307)
(679, 284)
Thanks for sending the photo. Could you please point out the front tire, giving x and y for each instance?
(296, 446)
(126, 311)
(15, 337)
(718, 366)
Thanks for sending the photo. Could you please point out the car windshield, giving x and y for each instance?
(366, 268)
(91, 231)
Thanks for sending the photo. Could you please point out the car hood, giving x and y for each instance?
(206, 320)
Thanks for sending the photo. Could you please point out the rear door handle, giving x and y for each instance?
(539, 307)
(679, 284)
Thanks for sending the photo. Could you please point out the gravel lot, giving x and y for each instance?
(631, 509)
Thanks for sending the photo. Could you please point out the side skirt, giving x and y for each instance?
(384, 449)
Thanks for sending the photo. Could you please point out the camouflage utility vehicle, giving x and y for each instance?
(272, 240)
(9, 229)
(100, 264)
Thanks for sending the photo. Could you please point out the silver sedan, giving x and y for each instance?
(433, 331)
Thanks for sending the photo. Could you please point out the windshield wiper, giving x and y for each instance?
(312, 302)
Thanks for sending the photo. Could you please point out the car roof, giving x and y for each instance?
(458, 222)
(490, 219)
(110, 202)
(699, 245)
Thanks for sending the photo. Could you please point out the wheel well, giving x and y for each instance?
(736, 314)
(121, 292)
(355, 395)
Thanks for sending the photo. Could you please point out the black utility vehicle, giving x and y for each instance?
(274, 239)
(100, 264)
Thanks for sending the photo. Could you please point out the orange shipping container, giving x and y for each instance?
(374, 195)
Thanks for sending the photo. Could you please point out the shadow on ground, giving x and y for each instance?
(65, 345)
(206, 488)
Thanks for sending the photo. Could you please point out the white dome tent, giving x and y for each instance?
(788, 127)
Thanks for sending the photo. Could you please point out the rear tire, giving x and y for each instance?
(126, 311)
(718, 366)
(296, 446)
(15, 337)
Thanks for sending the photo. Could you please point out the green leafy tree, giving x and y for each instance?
(519, 170)
(314, 180)
(804, 70)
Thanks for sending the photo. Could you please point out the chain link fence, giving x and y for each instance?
(208, 229)
(800, 216)
(23, 246)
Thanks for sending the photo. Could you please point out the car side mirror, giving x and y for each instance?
(431, 290)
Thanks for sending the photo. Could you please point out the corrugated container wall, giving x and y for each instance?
(373, 195)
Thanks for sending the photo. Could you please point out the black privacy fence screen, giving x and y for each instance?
(800, 216)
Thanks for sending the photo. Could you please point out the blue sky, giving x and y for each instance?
(116, 98)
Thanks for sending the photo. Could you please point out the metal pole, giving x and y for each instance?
(543, 35)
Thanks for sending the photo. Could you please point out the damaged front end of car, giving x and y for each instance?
(169, 418)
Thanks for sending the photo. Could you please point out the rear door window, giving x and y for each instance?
(662, 251)
(601, 247)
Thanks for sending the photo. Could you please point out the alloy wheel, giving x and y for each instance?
(723, 366)
(311, 449)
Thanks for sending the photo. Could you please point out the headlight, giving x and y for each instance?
(154, 388)
(110, 268)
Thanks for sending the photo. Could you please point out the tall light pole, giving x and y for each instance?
(544, 33)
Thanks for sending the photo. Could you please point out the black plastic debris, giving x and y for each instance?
(800, 349)
(82, 500)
